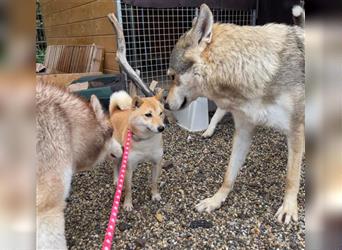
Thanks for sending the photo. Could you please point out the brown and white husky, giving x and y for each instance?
(145, 118)
(72, 135)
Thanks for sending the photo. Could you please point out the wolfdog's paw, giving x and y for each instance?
(209, 204)
(128, 206)
(156, 197)
(208, 133)
(286, 212)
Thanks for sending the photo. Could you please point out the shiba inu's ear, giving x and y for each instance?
(136, 102)
(96, 105)
(202, 25)
(159, 94)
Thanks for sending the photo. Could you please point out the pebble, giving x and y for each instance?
(124, 226)
(159, 216)
(168, 165)
(201, 223)
(140, 242)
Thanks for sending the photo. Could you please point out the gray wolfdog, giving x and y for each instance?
(72, 135)
(256, 73)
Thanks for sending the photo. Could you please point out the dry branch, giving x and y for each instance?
(121, 57)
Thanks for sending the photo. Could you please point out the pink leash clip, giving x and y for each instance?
(107, 243)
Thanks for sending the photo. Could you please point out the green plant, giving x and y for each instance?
(40, 54)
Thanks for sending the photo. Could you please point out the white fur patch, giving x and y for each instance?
(115, 148)
(50, 232)
(67, 181)
(146, 150)
(297, 10)
(275, 115)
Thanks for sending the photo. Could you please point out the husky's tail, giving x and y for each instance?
(298, 13)
(119, 101)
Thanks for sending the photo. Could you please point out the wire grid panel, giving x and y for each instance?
(40, 34)
(239, 17)
(151, 34)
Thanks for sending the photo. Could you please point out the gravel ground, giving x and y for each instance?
(245, 221)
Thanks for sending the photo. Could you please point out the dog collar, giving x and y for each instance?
(135, 137)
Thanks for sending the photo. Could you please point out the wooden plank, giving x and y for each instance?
(74, 60)
(84, 12)
(62, 79)
(108, 42)
(109, 71)
(81, 67)
(110, 62)
(90, 56)
(94, 27)
(58, 51)
(97, 60)
(55, 6)
(47, 56)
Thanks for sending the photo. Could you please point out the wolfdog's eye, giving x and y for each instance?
(161, 113)
(148, 115)
(172, 77)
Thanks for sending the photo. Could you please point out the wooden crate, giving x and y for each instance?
(74, 58)
(62, 80)
(81, 22)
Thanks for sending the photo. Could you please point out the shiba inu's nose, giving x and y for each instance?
(161, 128)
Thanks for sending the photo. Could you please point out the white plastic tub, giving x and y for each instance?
(195, 117)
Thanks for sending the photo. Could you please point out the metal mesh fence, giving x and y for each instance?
(151, 34)
(40, 35)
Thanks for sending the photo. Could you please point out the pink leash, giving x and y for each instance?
(107, 243)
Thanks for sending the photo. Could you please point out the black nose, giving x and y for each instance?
(161, 128)
(167, 106)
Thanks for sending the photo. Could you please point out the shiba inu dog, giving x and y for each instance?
(145, 118)
(256, 73)
(72, 135)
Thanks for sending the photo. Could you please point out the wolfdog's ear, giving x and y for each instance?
(136, 102)
(96, 105)
(194, 21)
(159, 94)
(202, 25)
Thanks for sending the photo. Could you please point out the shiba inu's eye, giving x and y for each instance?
(172, 77)
(161, 113)
(148, 115)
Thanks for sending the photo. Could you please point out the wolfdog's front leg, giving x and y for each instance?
(219, 114)
(241, 143)
(156, 169)
(289, 209)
